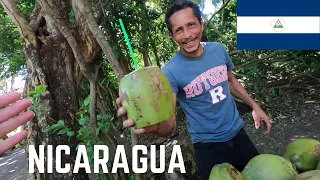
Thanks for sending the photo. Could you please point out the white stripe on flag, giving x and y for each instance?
(288, 24)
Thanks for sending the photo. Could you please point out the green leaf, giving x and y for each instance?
(99, 117)
(70, 133)
(97, 131)
(47, 129)
(61, 122)
(58, 128)
(80, 137)
(79, 113)
(108, 116)
(53, 127)
(86, 102)
(100, 124)
(31, 93)
(41, 89)
(82, 121)
(64, 131)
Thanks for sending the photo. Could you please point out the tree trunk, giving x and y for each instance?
(155, 51)
(144, 33)
(57, 63)
(145, 55)
(114, 39)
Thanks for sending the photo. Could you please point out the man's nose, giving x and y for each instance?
(186, 34)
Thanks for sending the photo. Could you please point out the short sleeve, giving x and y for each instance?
(229, 62)
(171, 78)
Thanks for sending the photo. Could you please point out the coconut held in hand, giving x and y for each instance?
(147, 96)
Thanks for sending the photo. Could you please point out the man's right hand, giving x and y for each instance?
(129, 123)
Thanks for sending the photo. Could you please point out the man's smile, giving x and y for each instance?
(189, 43)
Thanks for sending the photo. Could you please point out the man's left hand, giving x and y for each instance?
(260, 117)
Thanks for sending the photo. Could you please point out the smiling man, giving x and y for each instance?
(202, 82)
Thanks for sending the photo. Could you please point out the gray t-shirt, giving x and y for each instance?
(201, 85)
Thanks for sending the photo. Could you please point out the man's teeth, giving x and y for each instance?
(190, 42)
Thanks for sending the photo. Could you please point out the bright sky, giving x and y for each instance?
(18, 85)
(209, 8)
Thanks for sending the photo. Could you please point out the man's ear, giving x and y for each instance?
(202, 23)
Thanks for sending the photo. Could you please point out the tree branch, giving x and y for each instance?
(235, 52)
(86, 10)
(223, 6)
(93, 101)
(29, 38)
(221, 35)
(63, 27)
(266, 61)
(11, 8)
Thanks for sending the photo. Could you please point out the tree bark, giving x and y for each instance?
(155, 51)
(86, 10)
(113, 39)
(144, 33)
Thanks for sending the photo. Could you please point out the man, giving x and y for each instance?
(11, 117)
(202, 82)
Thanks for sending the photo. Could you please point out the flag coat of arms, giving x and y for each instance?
(278, 25)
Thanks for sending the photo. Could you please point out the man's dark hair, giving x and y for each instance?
(180, 5)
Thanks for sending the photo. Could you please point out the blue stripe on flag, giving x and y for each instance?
(278, 41)
(278, 8)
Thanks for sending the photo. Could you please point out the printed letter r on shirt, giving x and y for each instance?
(217, 94)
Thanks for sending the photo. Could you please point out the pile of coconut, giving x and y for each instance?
(301, 161)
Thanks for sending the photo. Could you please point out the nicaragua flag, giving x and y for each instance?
(278, 24)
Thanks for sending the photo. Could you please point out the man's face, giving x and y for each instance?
(187, 31)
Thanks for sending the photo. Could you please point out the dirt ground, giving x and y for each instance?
(294, 115)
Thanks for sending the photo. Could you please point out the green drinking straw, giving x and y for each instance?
(128, 43)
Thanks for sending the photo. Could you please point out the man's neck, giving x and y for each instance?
(195, 54)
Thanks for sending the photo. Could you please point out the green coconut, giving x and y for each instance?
(147, 96)
(225, 171)
(304, 154)
(309, 175)
(269, 166)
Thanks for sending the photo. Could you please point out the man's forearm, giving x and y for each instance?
(244, 96)
(240, 92)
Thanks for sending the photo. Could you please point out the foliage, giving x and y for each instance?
(11, 55)
(35, 96)
(12, 60)
(84, 135)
